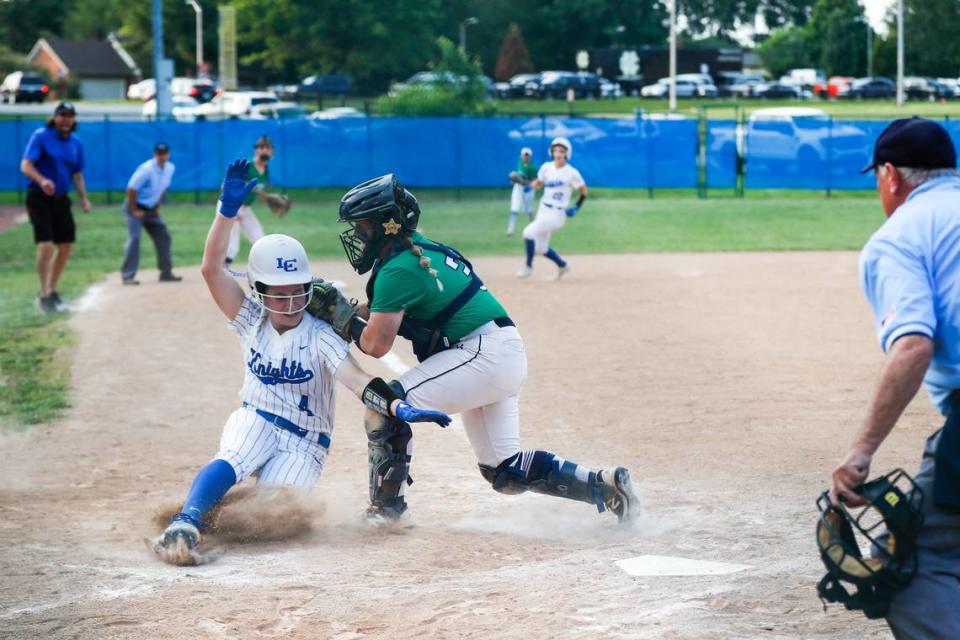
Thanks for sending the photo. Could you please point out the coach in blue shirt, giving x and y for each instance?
(145, 190)
(910, 273)
(52, 161)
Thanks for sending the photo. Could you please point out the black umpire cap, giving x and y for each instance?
(65, 107)
(916, 143)
(161, 147)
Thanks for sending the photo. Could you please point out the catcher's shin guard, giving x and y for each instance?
(388, 449)
(543, 472)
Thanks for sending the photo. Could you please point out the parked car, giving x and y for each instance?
(774, 90)
(23, 86)
(184, 109)
(555, 84)
(610, 89)
(953, 84)
(705, 86)
(336, 113)
(430, 78)
(731, 84)
(924, 88)
(872, 87)
(804, 78)
(832, 87)
(661, 89)
(234, 104)
(277, 111)
(315, 87)
(200, 89)
(515, 88)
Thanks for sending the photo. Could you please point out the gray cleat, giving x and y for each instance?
(618, 495)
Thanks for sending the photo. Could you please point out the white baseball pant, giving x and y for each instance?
(479, 378)
(549, 219)
(247, 221)
(250, 443)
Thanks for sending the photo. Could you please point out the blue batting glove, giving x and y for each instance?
(571, 211)
(410, 413)
(527, 188)
(235, 188)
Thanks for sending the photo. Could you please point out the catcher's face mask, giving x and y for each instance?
(872, 547)
(362, 243)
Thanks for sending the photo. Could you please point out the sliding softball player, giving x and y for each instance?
(284, 424)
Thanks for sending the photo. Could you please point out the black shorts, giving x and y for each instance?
(51, 218)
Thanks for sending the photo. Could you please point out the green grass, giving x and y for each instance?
(35, 350)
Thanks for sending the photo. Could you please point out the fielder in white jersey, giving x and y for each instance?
(291, 359)
(246, 219)
(559, 180)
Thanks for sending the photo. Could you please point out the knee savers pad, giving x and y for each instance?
(507, 477)
(387, 442)
(543, 472)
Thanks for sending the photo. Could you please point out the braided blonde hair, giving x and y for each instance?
(424, 261)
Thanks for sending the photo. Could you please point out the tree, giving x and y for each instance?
(931, 40)
(22, 22)
(514, 57)
(786, 49)
(458, 88)
(837, 36)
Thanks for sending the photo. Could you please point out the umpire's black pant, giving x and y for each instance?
(157, 229)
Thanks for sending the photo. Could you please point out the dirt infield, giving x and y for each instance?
(728, 383)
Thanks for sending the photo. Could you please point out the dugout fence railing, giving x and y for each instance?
(644, 151)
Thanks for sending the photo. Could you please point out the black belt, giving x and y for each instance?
(286, 425)
(504, 321)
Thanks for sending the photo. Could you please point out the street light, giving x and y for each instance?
(899, 53)
(199, 12)
(463, 32)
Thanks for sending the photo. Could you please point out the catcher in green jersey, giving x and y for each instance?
(472, 358)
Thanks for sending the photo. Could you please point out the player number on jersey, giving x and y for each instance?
(303, 406)
(453, 264)
(557, 195)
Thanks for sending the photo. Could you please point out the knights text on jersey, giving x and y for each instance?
(559, 183)
(403, 285)
(290, 375)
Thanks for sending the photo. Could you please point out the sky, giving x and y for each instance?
(876, 10)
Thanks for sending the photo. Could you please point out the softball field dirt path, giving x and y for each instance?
(728, 383)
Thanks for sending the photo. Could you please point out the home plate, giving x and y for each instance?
(669, 566)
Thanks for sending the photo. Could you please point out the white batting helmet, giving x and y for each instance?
(563, 142)
(279, 260)
(526, 151)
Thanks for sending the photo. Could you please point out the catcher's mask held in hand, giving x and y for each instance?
(279, 260)
(391, 211)
(888, 525)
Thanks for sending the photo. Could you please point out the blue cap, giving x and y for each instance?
(916, 143)
(161, 147)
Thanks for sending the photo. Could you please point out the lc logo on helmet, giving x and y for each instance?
(287, 265)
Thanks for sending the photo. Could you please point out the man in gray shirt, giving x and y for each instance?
(145, 190)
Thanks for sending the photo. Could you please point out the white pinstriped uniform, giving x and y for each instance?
(290, 375)
(558, 185)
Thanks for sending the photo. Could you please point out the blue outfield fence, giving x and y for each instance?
(813, 153)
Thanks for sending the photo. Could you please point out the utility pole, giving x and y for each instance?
(869, 50)
(463, 32)
(899, 53)
(199, 11)
(673, 55)
(162, 69)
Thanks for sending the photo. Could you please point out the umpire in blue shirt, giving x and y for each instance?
(145, 191)
(910, 273)
(52, 161)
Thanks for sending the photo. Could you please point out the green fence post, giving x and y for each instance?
(107, 156)
(701, 152)
(17, 150)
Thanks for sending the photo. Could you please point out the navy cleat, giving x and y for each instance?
(177, 545)
(618, 495)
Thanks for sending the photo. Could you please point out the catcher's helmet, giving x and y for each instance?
(263, 141)
(279, 260)
(562, 142)
(391, 211)
(888, 524)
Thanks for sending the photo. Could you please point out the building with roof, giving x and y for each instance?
(102, 68)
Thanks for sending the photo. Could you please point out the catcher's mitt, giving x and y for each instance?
(279, 203)
(330, 305)
(516, 177)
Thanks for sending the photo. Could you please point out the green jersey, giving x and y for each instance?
(527, 170)
(403, 285)
(263, 181)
